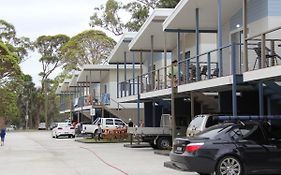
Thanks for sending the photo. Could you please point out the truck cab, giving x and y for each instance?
(105, 123)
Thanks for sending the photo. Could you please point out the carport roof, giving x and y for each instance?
(183, 17)
(73, 81)
(153, 26)
(96, 73)
(117, 54)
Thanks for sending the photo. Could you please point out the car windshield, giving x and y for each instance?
(196, 122)
(213, 132)
(96, 121)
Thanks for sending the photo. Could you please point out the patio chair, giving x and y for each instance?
(215, 73)
(204, 71)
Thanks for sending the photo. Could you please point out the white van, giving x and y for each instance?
(201, 122)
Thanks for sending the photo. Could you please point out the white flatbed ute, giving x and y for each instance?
(157, 137)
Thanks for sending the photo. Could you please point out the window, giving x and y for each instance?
(196, 123)
(118, 122)
(109, 122)
(212, 120)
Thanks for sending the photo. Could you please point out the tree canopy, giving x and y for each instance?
(88, 47)
(108, 17)
(49, 47)
(19, 45)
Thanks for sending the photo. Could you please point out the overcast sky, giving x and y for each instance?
(33, 18)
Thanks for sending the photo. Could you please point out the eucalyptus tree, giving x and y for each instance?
(108, 16)
(9, 65)
(88, 47)
(19, 45)
(49, 47)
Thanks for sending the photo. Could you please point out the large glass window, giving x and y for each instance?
(109, 122)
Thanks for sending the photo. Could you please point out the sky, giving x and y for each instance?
(33, 18)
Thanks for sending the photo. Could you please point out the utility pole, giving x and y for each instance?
(26, 115)
(46, 102)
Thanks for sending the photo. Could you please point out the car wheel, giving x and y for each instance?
(73, 136)
(153, 145)
(69, 136)
(229, 165)
(163, 143)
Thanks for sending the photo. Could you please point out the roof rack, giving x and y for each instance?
(249, 118)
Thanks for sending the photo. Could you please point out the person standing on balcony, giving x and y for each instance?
(173, 73)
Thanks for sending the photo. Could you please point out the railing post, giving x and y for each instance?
(209, 64)
(187, 62)
(263, 57)
(165, 77)
(158, 79)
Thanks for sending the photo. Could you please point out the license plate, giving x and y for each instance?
(179, 148)
(66, 132)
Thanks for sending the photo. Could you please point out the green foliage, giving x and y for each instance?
(88, 47)
(8, 105)
(167, 3)
(18, 45)
(107, 17)
(49, 47)
(139, 15)
(9, 65)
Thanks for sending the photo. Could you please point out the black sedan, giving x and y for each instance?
(231, 149)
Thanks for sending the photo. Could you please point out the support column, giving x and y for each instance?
(165, 61)
(153, 113)
(261, 101)
(220, 37)
(134, 73)
(269, 112)
(141, 73)
(152, 62)
(192, 109)
(179, 58)
(245, 35)
(138, 102)
(234, 83)
(197, 38)
(125, 73)
(117, 79)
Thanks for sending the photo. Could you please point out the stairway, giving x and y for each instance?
(272, 90)
(208, 102)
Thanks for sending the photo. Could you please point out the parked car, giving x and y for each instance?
(200, 123)
(63, 129)
(11, 128)
(42, 126)
(250, 147)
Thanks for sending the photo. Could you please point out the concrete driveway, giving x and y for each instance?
(36, 153)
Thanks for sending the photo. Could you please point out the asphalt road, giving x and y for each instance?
(36, 153)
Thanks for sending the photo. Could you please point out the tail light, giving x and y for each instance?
(192, 147)
(59, 128)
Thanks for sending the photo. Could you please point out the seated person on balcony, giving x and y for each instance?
(192, 72)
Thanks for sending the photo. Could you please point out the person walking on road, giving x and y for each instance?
(99, 132)
(130, 124)
(3, 134)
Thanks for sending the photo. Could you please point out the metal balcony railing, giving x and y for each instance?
(264, 49)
